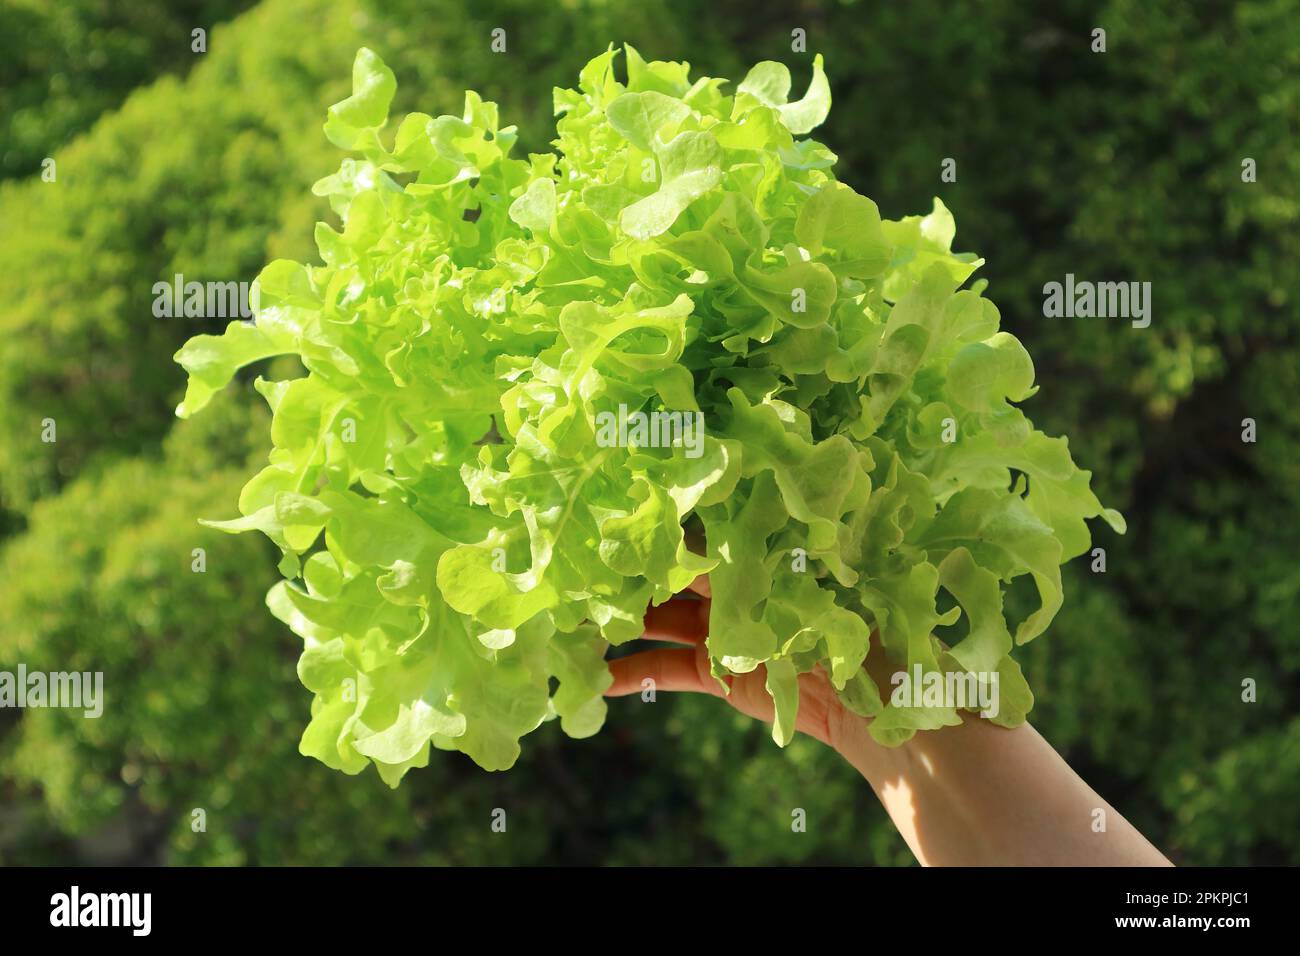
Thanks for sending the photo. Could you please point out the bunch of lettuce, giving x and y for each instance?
(459, 548)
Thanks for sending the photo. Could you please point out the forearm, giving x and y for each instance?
(977, 794)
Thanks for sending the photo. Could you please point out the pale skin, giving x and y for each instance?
(969, 795)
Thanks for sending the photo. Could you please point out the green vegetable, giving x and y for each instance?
(459, 529)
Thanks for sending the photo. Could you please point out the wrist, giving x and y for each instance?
(850, 737)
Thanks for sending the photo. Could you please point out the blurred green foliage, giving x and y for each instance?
(1123, 165)
(63, 64)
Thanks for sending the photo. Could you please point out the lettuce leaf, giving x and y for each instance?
(465, 531)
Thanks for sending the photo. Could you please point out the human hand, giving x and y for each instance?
(972, 794)
(684, 620)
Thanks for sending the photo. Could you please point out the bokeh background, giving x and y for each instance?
(1118, 166)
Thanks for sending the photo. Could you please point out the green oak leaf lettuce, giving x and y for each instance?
(460, 545)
